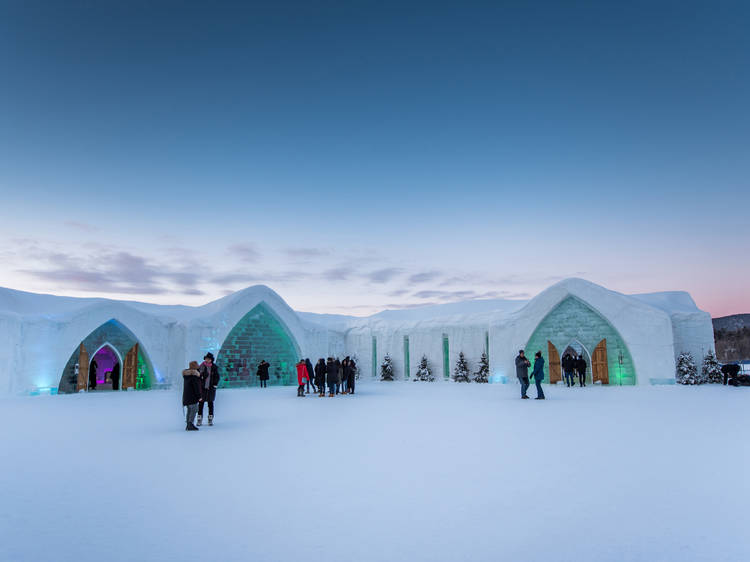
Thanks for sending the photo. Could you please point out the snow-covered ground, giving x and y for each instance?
(400, 471)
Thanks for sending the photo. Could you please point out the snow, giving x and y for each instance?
(399, 471)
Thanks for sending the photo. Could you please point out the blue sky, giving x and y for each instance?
(358, 155)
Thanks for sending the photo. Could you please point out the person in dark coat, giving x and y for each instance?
(263, 373)
(345, 376)
(581, 368)
(522, 372)
(568, 367)
(191, 393)
(332, 376)
(92, 374)
(310, 373)
(115, 375)
(538, 375)
(351, 376)
(209, 383)
(340, 370)
(320, 376)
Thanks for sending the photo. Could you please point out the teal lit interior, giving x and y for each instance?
(446, 358)
(406, 358)
(117, 336)
(573, 320)
(260, 334)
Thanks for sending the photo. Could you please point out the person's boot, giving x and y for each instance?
(191, 427)
(200, 421)
(210, 419)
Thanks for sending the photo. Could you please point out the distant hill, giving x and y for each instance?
(732, 336)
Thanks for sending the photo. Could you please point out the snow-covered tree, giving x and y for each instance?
(424, 372)
(686, 370)
(356, 366)
(711, 372)
(461, 372)
(483, 373)
(386, 368)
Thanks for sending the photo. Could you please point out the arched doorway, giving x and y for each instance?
(260, 334)
(105, 368)
(576, 349)
(573, 322)
(111, 338)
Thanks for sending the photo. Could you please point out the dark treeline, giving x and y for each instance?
(732, 345)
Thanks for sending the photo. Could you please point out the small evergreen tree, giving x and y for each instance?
(424, 372)
(386, 368)
(461, 372)
(483, 373)
(686, 369)
(711, 372)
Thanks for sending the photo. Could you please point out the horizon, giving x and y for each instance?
(366, 156)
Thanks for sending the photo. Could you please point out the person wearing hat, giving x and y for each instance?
(538, 374)
(191, 393)
(522, 372)
(209, 382)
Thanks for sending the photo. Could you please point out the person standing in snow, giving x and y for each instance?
(538, 375)
(340, 371)
(301, 377)
(263, 373)
(568, 366)
(581, 368)
(310, 380)
(345, 376)
(191, 393)
(351, 376)
(209, 383)
(320, 376)
(332, 376)
(92, 374)
(115, 376)
(522, 372)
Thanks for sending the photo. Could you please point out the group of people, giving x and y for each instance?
(572, 365)
(199, 388)
(113, 376)
(339, 375)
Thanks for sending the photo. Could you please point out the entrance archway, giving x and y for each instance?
(105, 368)
(134, 364)
(260, 334)
(576, 349)
(572, 320)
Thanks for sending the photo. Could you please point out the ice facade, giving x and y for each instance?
(626, 339)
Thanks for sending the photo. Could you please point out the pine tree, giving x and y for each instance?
(461, 372)
(711, 372)
(686, 369)
(424, 372)
(483, 374)
(386, 368)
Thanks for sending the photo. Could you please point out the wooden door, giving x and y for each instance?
(599, 366)
(130, 368)
(83, 369)
(555, 369)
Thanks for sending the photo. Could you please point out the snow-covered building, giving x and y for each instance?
(51, 343)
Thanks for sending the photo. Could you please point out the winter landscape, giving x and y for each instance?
(397, 471)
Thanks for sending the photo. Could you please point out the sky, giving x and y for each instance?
(356, 156)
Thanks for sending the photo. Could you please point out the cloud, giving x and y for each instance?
(83, 226)
(307, 252)
(424, 277)
(383, 275)
(337, 273)
(245, 252)
(398, 293)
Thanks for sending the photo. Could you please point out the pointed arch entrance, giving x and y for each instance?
(130, 364)
(574, 321)
(260, 334)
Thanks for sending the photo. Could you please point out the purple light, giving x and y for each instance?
(105, 360)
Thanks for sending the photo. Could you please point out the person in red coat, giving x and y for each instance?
(302, 377)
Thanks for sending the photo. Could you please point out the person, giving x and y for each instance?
(263, 373)
(320, 376)
(340, 371)
(92, 374)
(538, 374)
(568, 366)
(191, 393)
(332, 376)
(581, 368)
(301, 377)
(310, 380)
(352, 375)
(345, 376)
(115, 377)
(209, 382)
(522, 372)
